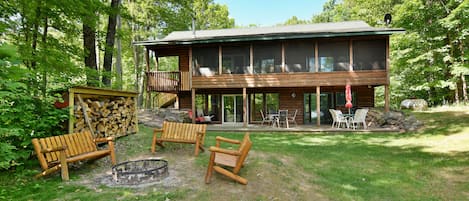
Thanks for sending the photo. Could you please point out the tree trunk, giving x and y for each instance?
(119, 55)
(89, 46)
(44, 69)
(110, 37)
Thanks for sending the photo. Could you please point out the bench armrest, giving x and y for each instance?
(225, 151)
(54, 149)
(103, 139)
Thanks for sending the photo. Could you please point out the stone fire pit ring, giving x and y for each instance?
(140, 171)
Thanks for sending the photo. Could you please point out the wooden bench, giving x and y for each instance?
(180, 133)
(54, 153)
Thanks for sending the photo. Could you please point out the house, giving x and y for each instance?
(233, 74)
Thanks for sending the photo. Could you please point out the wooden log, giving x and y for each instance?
(85, 113)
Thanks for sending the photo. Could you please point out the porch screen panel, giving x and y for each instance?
(267, 58)
(333, 56)
(299, 56)
(369, 55)
(235, 59)
(205, 61)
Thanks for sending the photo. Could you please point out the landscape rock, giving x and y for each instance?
(414, 104)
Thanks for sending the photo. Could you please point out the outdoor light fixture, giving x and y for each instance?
(293, 94)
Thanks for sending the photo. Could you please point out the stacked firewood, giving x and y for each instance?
(108, 116)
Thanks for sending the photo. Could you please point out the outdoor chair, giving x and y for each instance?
(282, 118)
(334, 117)
(266, 118)
(292, 118)
(359, 118)
(228, 161)
(341, 119)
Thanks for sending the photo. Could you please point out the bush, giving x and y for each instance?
(22, 116)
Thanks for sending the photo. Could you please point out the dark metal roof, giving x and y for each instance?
(335, 29)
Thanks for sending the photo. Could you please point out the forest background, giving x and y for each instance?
(47, 46)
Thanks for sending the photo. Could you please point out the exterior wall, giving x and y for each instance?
(284, 83)
(364, 95)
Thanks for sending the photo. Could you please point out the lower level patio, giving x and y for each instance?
(299, 128)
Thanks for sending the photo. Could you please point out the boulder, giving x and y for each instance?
(414, 104)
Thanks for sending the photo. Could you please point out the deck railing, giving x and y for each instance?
(168, 81)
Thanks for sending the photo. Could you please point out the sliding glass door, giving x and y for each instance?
(232, 108)
(310, 114)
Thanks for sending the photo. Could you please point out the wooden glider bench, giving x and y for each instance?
(180, 133)
(54, 153)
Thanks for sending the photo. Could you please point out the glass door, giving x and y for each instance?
(310, 114)
(232, 108)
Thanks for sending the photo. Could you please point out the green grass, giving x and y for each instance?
(431, 164)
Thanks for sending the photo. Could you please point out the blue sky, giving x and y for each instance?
(270, 12)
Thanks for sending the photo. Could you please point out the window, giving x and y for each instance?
(369, 54)
(267, 58)
(299, 56)
(235, 59)
(333, 56)
(205, 61)
(270, 105)
(209, 105)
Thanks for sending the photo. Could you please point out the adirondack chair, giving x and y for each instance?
(228, 161)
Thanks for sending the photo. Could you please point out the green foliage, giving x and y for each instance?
(22, 115)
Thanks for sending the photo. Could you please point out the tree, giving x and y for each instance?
(110, 39)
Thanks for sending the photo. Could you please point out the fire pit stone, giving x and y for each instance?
(140, 171)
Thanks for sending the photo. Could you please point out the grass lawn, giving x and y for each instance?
(431, 164)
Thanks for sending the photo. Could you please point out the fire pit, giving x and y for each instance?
(140, 171)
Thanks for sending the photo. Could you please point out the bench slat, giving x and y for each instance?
(64, 143)
(81, 143)
(76, 141)
(87, 142)
(69, 140)
(53, 155)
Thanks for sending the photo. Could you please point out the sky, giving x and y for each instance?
(270, 12)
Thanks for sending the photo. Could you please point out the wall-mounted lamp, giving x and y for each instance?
(293, 94)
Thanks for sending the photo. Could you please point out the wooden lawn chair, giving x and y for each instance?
(228, 161)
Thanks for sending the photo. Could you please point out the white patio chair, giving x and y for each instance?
(359, 118)
(334, 117)
(292, 118)
(341, 119)
(282, 118)
(266, 118)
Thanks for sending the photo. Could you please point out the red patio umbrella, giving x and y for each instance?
(348, 97)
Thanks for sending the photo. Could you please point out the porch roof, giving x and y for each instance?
(335, 29)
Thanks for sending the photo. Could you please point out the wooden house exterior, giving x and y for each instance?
(233, 74)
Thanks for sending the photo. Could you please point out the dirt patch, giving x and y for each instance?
(270, 177)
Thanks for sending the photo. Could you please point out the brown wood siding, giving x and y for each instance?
(292, 80)
(185, 100)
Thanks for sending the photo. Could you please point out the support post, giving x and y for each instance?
(318, 105)
(386, 98)
(245, 113)
(147, 61)
(193, 105)
(71, 107)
